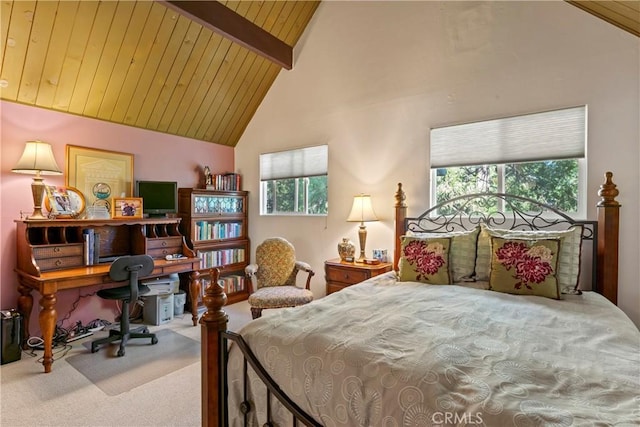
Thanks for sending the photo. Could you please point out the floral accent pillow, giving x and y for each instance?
(462, 255)
(525, 267)
(568, 258)
(425, 260)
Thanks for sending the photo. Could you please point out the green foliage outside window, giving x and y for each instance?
(304, 196)
(553, 182)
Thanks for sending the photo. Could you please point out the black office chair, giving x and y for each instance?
(127, 268)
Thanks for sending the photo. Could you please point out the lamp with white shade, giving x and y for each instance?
(362, 211)
(37, 159)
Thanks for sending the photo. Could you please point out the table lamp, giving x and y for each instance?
(37, 159)
(362, 211)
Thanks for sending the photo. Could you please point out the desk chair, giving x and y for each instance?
(127, 268)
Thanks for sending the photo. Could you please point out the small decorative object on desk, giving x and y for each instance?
(98, 212)
(346, 250)
(380, 255)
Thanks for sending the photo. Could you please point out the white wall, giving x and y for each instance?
(371, 78)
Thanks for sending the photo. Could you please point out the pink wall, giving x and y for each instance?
(157, 156)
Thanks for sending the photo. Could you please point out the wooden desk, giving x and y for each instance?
(50, 259)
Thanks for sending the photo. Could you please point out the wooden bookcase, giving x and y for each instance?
(215, 225)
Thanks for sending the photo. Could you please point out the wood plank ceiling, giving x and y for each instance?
(143, 64)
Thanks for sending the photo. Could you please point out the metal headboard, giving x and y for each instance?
(517, 213)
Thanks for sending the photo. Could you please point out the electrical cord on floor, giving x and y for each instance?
(74, 306)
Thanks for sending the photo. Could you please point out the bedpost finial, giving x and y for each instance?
(214, 299)
(608, 192)
(400, 196)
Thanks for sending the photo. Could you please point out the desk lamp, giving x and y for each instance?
(37, 159)
(362, 211)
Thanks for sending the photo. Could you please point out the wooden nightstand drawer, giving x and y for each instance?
(339, 275)
(346, 275)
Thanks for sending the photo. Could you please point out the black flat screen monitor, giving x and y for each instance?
(158, 197)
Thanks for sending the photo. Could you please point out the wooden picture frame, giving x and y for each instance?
(126, 207)
(64, 202)
(99, 175)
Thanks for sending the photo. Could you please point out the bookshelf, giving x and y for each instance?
(214, 222)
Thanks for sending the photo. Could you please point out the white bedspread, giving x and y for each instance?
(389, 354)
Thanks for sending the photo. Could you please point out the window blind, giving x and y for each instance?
(550, 135)
(299, 163)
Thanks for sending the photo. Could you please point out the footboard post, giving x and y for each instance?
(401, 214)
(608, 232)
(213, 321)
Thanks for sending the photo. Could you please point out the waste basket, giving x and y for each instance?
(179, 300)
(11, 336)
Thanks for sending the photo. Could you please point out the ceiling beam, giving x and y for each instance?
(222, 20)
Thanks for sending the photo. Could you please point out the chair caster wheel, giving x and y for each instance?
(121, 352)
(154, 340)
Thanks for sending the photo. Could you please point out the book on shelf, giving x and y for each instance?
(91, 246)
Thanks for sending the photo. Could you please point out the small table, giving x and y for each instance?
(340, 274)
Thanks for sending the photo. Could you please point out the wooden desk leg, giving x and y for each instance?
(194, 293)
(25, 305)
(47, 319)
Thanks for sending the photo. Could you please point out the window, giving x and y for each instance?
(294, 182)
(538, 156)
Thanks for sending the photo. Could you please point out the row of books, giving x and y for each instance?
(205, 230)
(221, 257)
(91, 246)
(225, 182)
(232, 283)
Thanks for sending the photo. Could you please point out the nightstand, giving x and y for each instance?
(340, 274)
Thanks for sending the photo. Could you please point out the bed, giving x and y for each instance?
(404, 349)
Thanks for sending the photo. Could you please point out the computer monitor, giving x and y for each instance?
(158, 197)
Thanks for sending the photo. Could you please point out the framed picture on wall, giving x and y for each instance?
(99, 174)
(126, 207)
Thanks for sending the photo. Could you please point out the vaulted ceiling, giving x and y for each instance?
(144, 63)
(199, 73)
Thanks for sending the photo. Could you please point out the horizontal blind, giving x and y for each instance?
(551, 135)
(299, 163)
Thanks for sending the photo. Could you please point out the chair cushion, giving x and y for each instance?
(122, 292)
(280, 296)
(276, 258)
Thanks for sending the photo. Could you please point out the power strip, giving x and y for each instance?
(79, 336)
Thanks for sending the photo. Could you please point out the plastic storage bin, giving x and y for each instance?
(179, 300)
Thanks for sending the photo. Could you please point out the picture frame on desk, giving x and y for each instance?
(126, 207)
(99, 174)
(64, 202)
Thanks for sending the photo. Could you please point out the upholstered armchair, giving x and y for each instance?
(273, 277)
